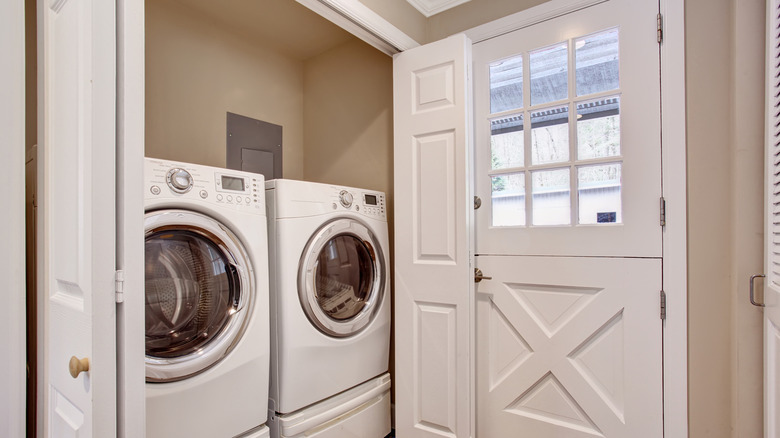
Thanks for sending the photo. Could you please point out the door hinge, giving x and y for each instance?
(659, 28)
(663, 305)
(663, 211)
(119, 286)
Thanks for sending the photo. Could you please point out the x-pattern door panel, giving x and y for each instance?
(564, 350)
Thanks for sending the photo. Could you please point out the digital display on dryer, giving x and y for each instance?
(370, 199)
(232, 183)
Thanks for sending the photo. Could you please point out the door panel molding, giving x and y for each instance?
(675, 234)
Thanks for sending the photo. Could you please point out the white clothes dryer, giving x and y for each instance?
(206, 288)
(330, 299)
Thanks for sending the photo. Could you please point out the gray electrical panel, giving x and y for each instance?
(254, 146)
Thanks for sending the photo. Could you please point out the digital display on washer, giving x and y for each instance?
(232, 183)
(370, 199)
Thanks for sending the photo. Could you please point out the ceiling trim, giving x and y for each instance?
(364, 23)
(529, 17)
(433, 7)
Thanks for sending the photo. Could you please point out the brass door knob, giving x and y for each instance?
(76, 366)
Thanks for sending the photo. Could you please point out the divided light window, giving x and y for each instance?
(555, 134)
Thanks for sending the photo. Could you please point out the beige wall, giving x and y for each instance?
(198, 70)
(348, 117)
(725, 174)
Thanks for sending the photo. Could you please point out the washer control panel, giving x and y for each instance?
(167, 179)
(363, 202)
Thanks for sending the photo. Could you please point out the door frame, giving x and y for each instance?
(12, 224)
(376, 30)
(130, 311)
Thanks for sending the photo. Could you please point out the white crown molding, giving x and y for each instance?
(364, 23)
(433, 7)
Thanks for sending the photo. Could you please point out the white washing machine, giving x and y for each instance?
(330, 296)
(207, 319)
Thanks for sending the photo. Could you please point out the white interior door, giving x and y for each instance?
(771, 299)
(433, 206)
(77, 91)
(568, 167)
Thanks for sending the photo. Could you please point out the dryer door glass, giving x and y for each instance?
(190, 292)
(344, 277)
(341, 280)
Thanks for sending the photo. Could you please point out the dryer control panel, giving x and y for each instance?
(169, 179)
(360, 201)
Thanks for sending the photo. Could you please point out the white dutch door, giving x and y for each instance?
(77, 394)
(771, 299)
(568, 168)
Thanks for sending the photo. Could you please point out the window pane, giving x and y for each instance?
(550, 135)
(596, 59)
(508, 199)
(551, 203)
(549, 74)
(506, 85)
(506, 142)
(599, 194)
(598, 128)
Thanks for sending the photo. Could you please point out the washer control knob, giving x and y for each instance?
(345, 198)
(179, 180)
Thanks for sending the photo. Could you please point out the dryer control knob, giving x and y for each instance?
(179, 180)
(345, 198)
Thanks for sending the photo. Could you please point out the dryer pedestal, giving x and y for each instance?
(360, 412)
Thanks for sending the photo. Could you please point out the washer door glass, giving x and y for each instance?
(198, 285)
(190, 293)
(341, 280)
